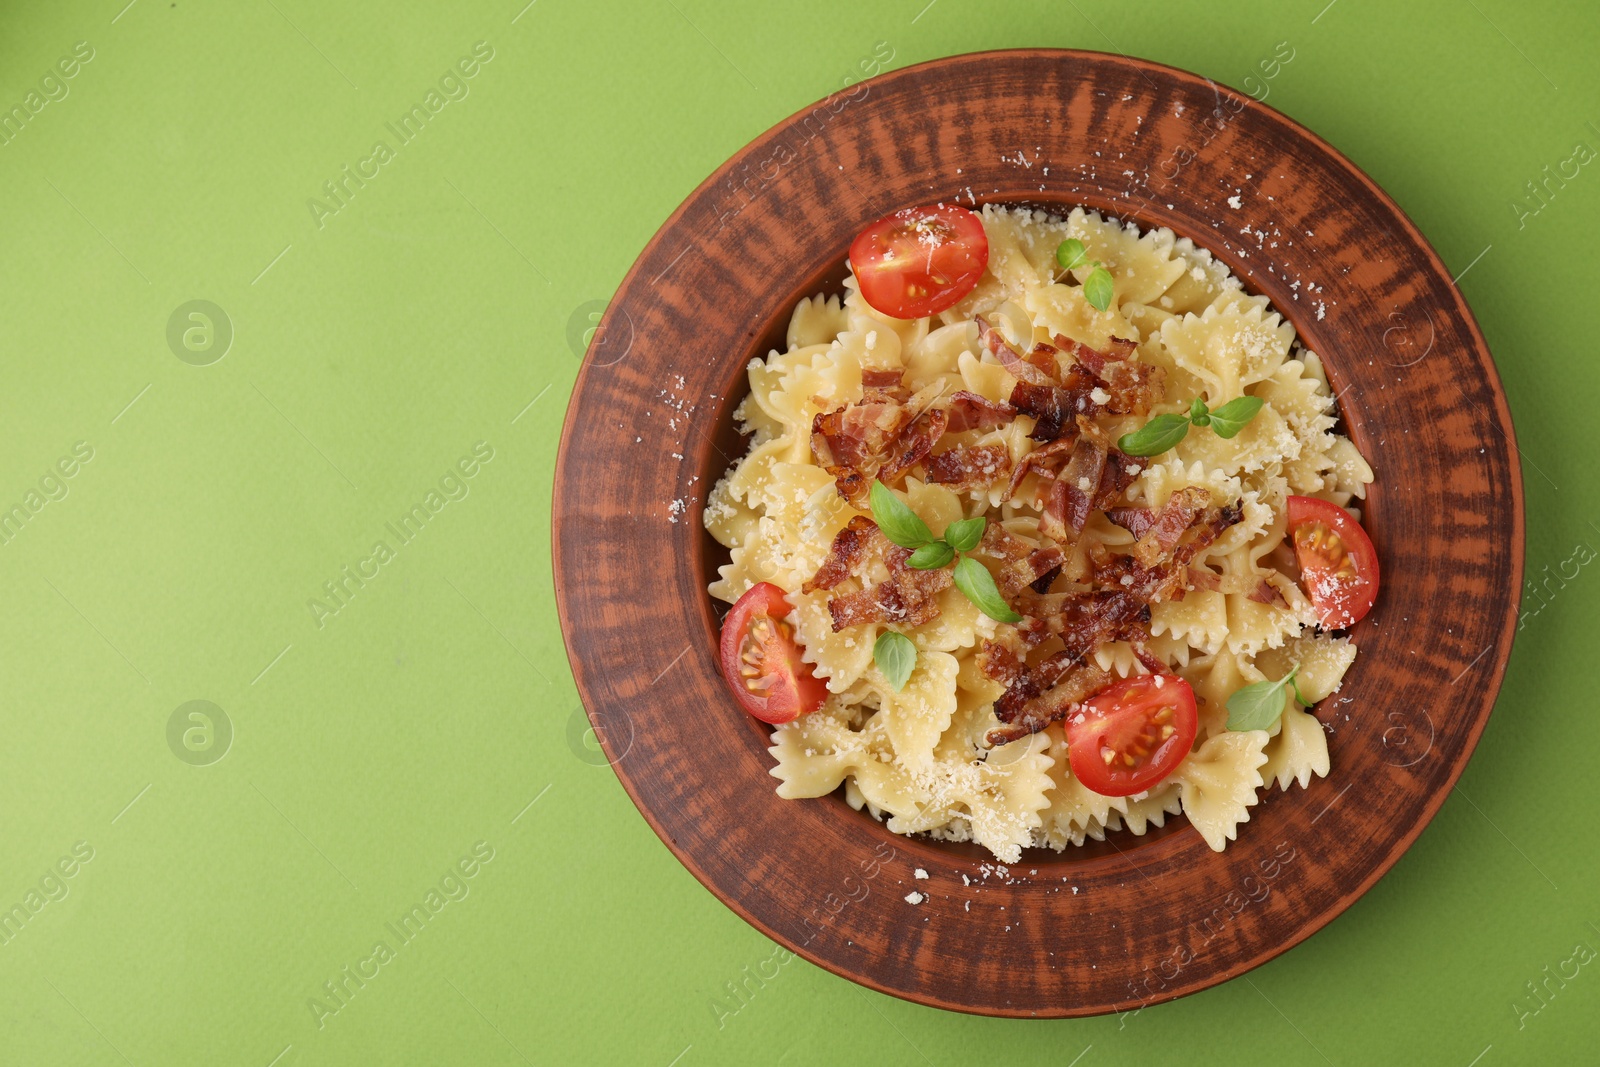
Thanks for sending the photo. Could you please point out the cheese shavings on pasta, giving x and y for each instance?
(1006, 406)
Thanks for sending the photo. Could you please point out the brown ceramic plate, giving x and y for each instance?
(1132, 920)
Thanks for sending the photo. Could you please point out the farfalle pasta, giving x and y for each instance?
(1005, 406)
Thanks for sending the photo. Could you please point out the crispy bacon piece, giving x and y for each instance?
(1055, 407)
(857, 434)
(907, 596)
(883, 432)
(1084, 619)
(1159, 583)
(969, 467)
(1074, 491)
(914, 443)
(1021, 564)
(883, 386)
(851, 546)
(1082, 473)
(1172, 577)
(1120, 471)
(1001, 658)
(1096, 382)
(1135, 520)
(1036, 696)
(1046, 358)
(1046, 459)
(1052, 408)
(1121, 349)
(1133, 387)
(969, 411)
(1039, 711)
(1036, 368)
(1267, 593)
(1169, 524)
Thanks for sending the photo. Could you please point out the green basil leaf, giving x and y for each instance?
(964, 535)
(895, 656)
(931, 556)
(975, 581)
(896, 519)
(1156, 436)
(1231, 417)
(1257, 706)
(1098, 288)
(1198, 413)
(1070, 253)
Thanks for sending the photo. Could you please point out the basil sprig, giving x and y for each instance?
(895, 656)
(1257, 706)
(1098, 287)
(1165, 431)
(903, 526)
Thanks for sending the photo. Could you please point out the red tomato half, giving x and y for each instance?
(921, 260)
(1132, 734)
(761, 660)
(1338, 565)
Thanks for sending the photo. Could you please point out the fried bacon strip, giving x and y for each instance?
(1096, 382)
(879, 384)
(857, 434)
(1039, 367)
(1084, 620)
(969, 411)
(1040, 710)
(1075, 489)
(907, 596)
(887, 431)
(1168, 524)
(1133, 387)
(1046, 459)
(1021, 565)
(1135, 520)
(970, 467)
(1053, 407)
(1120, 471)
(851, 547)
(914, 443)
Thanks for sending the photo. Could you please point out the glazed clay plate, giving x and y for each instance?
(1132, 920)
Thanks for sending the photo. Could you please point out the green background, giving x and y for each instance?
(433, 311)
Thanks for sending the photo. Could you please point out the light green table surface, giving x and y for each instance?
(376, 345)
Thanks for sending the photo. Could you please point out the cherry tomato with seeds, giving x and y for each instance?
(761, 659)
(1338, 565)
(921, 260)
(1132, 734)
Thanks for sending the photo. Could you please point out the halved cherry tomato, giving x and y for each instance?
(761, 660)
(921, 260)
(1338, 565)
(1132, 734)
